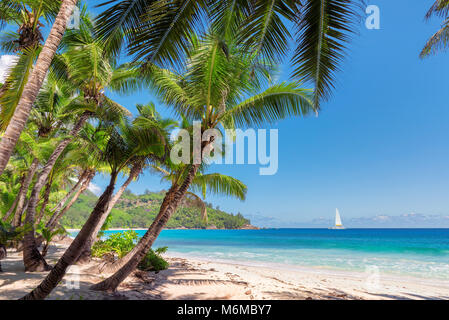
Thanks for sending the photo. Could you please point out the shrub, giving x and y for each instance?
(122, 243)
(119, 243)
(153, 261)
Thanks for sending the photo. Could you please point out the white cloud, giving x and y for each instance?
(5, 62)
(97, 190)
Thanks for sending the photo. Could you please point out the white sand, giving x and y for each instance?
(201, 279)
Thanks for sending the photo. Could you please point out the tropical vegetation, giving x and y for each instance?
(210, 62)
(138, 211)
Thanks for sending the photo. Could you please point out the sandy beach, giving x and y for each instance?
(202, 279)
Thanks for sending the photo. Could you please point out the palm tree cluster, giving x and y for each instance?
(212, 62)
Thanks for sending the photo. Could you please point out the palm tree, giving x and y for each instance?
(30, 150)
(145, 150)
(124, 144)
(87, 154)
(212, 90)
(86, 66)
(32, 87)
(47, 119)
(58, 208)
(50, 117)
(57, 215)
(158, 32)
(60, 179)
(48, 236)
(27, 16)
(213, 183)
(439, 41)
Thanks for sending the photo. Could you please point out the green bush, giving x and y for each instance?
(153, 261)
(119, 243)
(122, 243)
(139, 211)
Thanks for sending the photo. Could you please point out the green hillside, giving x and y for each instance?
(138, 211)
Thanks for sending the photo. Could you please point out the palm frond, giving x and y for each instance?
(219, 184)
(197, 201)
(226, 18)
(263, 31)
(440, 8)
(9, 11)
(277, 102)
(14, 85)
(163, 33)
(115, 24)
(324, 29)
(438, 42)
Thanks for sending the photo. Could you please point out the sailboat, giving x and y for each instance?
(338, 224)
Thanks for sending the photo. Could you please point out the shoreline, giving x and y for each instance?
(386, 271)
(181, 228)
(196, 278)
(318, 270)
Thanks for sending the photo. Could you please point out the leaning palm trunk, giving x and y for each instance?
(51, 224)
(117, 265)
(74, 250)
(86, 254)
(172, 201)
(45, 200)
(25, 207)
(20, 117)
(23, 192)
(57, 210)
(32, 258)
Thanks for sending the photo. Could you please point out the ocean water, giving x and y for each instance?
(411, 252)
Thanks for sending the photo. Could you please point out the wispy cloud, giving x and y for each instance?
(97, 190)
(5, 63)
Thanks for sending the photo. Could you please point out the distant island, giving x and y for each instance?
(138, 211)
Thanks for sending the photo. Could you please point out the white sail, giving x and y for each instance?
(337, 219)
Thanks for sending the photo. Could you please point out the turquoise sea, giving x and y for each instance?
(412, 252)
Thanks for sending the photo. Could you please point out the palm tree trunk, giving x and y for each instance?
(32, 258)
(16, 200)
(172, 203)
(45, 249)
(55, 219)
(25, 207)
(115, 266)
(23, 192)
(86, 254)
(46, 197)
(74, 250)
(3, 254)
(57, 210)
(20, 117)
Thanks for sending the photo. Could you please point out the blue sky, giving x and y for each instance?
(379, 145)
